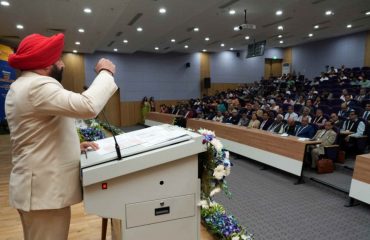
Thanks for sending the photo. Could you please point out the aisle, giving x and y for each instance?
(83, 227)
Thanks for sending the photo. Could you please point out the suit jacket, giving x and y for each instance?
(266, 125)
(305, 132)
(45, 144)
(326, 137)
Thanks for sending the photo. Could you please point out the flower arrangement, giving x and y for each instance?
(215, 166)
(94, 130)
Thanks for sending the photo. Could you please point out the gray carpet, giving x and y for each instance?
(272, 207)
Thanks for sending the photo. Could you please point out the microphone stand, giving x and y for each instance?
(118, 150)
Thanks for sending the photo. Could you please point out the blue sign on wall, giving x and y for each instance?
(7, 77)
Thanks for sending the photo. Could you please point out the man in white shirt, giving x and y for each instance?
(291, 114)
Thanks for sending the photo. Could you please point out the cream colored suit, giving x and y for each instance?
(327, 138)
(45, 144)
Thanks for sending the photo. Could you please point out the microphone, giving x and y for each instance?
(118, 150)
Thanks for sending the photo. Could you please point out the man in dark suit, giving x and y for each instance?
(278, 125)
(366, 114)
(291, 127)
(305, 130)
(267, 121)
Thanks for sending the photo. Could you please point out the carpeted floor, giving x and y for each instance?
(272, 207)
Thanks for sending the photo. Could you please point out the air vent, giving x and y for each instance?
(318, 1)
(277, 22)
(56, 30)
(184, 40)
(134, 19)
(110, 44)
(321, 28)
(228, 4)
(166, 48)
(237, 35)
(118, 34)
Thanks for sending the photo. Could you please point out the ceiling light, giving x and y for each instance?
(5, 3)
(207, 39)
(204, 50)
(280, 27)
(280, 36)
(173, 40)
(81, 30)
(279, 12)
(125, 41)
(222, 45)
(19, 26)
(316, 27)
(77, 43)
(310, 35)
(162, 10)
(232, 12)
(87, 10)
(231, 49)
(329, 12)
(156, 48)
(186, 46)
(246, 37)
(116, 50)
(367, 13)
(196, 29)
(281, 42)
(74, 51)
(139, 29)
(349, 25)
(236, 28)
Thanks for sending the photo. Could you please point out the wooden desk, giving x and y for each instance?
(360, 185)
(285, 153)
(156, 118)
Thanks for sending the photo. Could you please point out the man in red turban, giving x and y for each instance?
(44, 181)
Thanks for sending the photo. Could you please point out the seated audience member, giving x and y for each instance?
(366, 114)
(290, 127)
(344, 111)
(327, 137)
(363, 82)
(342, 76)
(200, 113)
(227, 117)
(305, 113)
(278, 125)
(189, 113)
(361, 96)
(249, 109)
(317, 103)
(310, 106)
(301, 101)
(273, 106)
(353, 125)
(266, 122)
(235, 117)
(289, 100)
(319, 120)
(305, 130)
(211, 114)
(219, 117)
(335, 120)
(291, 114)
(349, 101)
(221, 106)
(254, 122)
(324, 77)
(243, 120)
(344, 93)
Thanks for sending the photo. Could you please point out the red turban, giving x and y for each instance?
(37, 51)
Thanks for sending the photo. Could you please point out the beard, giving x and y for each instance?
(56, 73)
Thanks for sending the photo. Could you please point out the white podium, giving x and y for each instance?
(154, 189)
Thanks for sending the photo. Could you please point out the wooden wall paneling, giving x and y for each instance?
(204, 72)
(367, 50)
(362, 168)
(74, 72)
(288, 55)
(268, 68)
(223, 87)
(277, 67)
(112, 109)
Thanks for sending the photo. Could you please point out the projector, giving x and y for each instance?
(247, 26)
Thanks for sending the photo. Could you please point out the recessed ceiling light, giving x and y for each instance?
(206, 39)
(116, 50)
(87, 10)
(5, 3)
(196, 29)
(280, 27)
(19, 26)
(204, 50)
(232, 12)
(74, 51)
(310, 35)
(280, 36)
(77, 43)
(222, 44)
(246, 37)
(367, 13)
(281, 42)
(316, 27)
(81, 30)
(139, 29)
(186, 46)
(231, 49)
(236, 28)
(349, 25)
(173, 40)
(162, 10)
(125, 41)
(156, 48)
(329, 12)
(279, 12)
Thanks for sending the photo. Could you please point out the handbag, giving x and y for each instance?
(341, 156)
(325, 166)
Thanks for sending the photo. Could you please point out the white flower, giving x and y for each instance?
(206, 132)
(235, 238)
(244, 237)
(213, 204)
(203, 204)
(227, 171)
(217, 144)
(219, 172)
(214, 191)
(227, 154)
